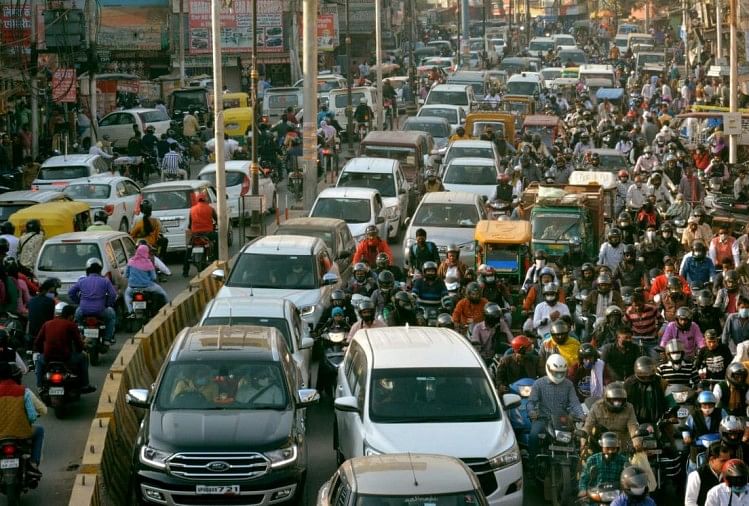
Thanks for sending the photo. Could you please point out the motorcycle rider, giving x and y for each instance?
(29, 245)
(522, 363)
(363, 282)
(732, 393)
(712, 360)
(96, 296)
(504, 190)
(552, 396)
(736, 328)
(723, 245)
(492, 336)
(422, 251)
(634, 485)
(404, 311)
(470, 309)
(646, 392)
(694, 232)
(604, 331)
(533, 274)
(560, 342)
(613, 413)
(733, 491)
(549, 311)
(429, 286)
(452, 265)
(338, 299)
(383, 295)
(382, 264)
(667, 243)
(363, 115)
(612, 251)
(590, 374)
(60, 341)
(100, 222)
(707, 476)
(141, 275)
(646, 161)
(366, 319)
(726, 301)
(369, 247)
(630, 272)
(42, 306)
(660, 282)
(621, 191)
(601, 297)
(149, 228)
(630, 234)
(684, 330)
(703, 420)
(697, 268)
(643, 318)
(731, 430)
(604, 467)
(432, 182)
(202, 222)
(677, 370)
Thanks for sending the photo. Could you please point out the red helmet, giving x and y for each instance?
(521, 343)
(623, 173)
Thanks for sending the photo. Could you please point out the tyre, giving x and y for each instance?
(13, 494)
(561, 484)
(60, 411)
(93, 356)
(124, 226)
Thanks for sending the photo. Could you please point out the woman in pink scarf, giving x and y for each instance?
(141, 275)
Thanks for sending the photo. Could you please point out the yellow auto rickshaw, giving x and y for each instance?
(55, 217)
(519, 106)
(505, 246)
(235, 100)
(499, 122)
(237, 121)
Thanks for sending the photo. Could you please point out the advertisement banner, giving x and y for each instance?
(63, 85)
(327, 32)
(134, 28)
(15, 33)
(236, 27)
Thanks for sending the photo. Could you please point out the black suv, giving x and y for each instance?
(226, 422)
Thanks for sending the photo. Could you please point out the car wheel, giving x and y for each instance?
(124, 226)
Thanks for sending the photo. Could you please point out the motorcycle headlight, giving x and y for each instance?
(307, 310)
(563, 436)
(368, 450)
(390, 213)
(680, 397)
(282, 457)
(609, 496)
(506, 458)
(525, 390)
(336, 337)
(153, 457)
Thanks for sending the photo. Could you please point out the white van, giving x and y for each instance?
(339, 102)
(386, 176)
(525, 84)
(426, 390)
(598, 71)
(640, 42)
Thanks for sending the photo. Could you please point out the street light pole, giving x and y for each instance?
(218, 128)
(733, 77)
(309, 62)
(350, 79)
(255, 76)
(378, 49)
(718, 32)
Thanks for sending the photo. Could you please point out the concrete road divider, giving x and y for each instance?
(104, 476)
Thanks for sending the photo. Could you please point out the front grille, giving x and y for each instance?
(485, 474)
(206, 500)
(218, 466)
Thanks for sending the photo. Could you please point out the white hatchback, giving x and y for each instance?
(118, 196)
(58, 171)
(472, 175)
(358, 207)
(239, 184)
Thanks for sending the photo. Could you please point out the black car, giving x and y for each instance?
(225, 422)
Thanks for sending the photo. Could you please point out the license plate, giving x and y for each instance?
(9, 464)
(57, 391)
(139, 305)
(198, 249)
(90, 332)
(217, 489)
(170, 223)
(682, 413)
(655, 452)
(560, 448)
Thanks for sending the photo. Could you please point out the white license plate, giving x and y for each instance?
(170, 223)
(57, 391)
(655, 452)
(561, 448)
(139, 305)
(198, 249)
(682, 413)
(9, 464)
(90, 332)
(217, 489)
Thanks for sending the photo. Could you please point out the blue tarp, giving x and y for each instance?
(610, 93)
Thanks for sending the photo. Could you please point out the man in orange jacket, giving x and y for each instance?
(203, 221)
(369, 247)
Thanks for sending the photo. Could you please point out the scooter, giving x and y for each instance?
(93, 331)
(15, 455)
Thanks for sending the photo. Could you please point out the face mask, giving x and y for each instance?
(51, 295)
(744, 312)
(551, 300)
(540, 263)
(707, 410)
(490, 279)
(638, 185)
(650, 235)
(738, 490)
(676, 357)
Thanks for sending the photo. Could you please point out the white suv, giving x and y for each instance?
(426, 390)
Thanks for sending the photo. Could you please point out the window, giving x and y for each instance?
(278, 101)
(131, 188)
(435, 129)
(324, 234)
(63, 172)
(66, 257)
(471, 175)
(109, 252)
(446, 215)
(347, 209)
(112, 119)
(153, 116)
(380, 181)
(279, 324)
(447, 97)
(283, 272)
(88, 191)
(360, 380)
(120, 188)
(233, 177)
(129, 246)
(351, 357)
(168, 200)
(125, 119)
(119, 252)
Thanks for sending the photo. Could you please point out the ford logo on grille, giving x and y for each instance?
(218, 466)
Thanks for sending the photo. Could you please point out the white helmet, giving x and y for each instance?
(59, 307)
(556, 368)
(93, 261)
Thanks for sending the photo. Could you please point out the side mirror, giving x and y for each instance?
(138, 397)
(329, 279)
(346, 404)
(307, 343)
(218, 274)
(407, 220)
(380, 220)
(343, 255)
(511, 401)
(308, 397)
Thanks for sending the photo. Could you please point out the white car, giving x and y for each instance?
(117, 195)
(471, 149)
(358, 207)
(58, 171)
(118, 125)
(427, 390)
(239, 184)
(472, 175)
(499, 46)
(452, 94)
(454, 114)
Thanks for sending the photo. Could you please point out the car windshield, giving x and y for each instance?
(88, 191)
(537, 45)
(64, 172)
(346, 209)
(437, 130)
(341, 99)
(446, 215)
(650, 58)
(222, 385)
(503, 257)
(454, 499)
(612, 163)
(186, 100)
(168, 199)
(432, 395)
(324, 86)
(451, 115)
(67, 257)
(555, 227)
(279, 324)
(522, 87)
(550, 75)
(470, 174)
(153, 116)
(480, 127)
(7, 210)
(282, 101)
(233, 178)
(379, 181)
(468, 152)
(447, 97)
(283, 272)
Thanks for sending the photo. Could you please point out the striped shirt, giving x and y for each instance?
(170, 163)
(684, 375)
(643, 322)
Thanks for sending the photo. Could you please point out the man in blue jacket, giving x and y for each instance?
(95, 296)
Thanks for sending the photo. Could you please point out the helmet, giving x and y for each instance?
(634, 482)
(448, 303)
(59, 307)
(698, 249)
(385, 280)
(675, 350)
(8, 228)
(453, 248)
(550, 288)
(735, 473)
(711, 335)
(101, 215)
(624, 219)
(366, 310)
(431, 267)
(546, 271)
(705, 298)
(731, 280)
(614, 233)
(560, 332)
(684, 313)
(33, 226)
(521, 344)
(586, 350)
(473, 291)
(615, 396)
(382, 261)
(363, 100)
(736, 374)
(445, 320)
(609, 440)
(556, 368)
(431, 173)
(371, 230)
(360, 271)
(492, 314)
(630, 250)
(667, 227)
(92, 262)
(604, 282)
(146, 207)
(612, 310)
(338, 297)
(706, 397)
(674, 285)
(644, 369)
(731, 430)
(587, 266)
(404, 301)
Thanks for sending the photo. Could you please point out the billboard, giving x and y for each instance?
(63, 85)
(236, 27)
(327, 32)
(134, 28)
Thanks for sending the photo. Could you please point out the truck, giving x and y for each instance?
(564, 217)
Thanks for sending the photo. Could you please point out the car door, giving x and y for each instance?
(302, 356)
(352, 383)
(120, 255)
(122, 130)
(346, 249)
(402, 190)
(130, 198)
(129, 245)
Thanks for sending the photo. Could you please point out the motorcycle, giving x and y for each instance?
(17, 338)
(15, 479)
(268, 170)
(387, 105)
(698, 457)
(519, 419)
(201, 250)
(605, 493)
(558, 460)
(665, 458)
(93, 331)
(60, 387)
(430, 310)
(498, 208)
(296, 184)
(145, 306)
(362, 129)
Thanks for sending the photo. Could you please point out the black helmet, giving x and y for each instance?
(560, 331)
(614, 233)
(645, 369)
(698, 249)
(382, 261)
(704, 298)
(735, 473)
(674, 285)
(588, 351)
(385, 280)
(634, 482)
(33, 226)
(731, 430)
(630, 250)
(146, 207)
(445, 320)
(731, 280)
(101, 215)
(492, 314)
(473, 291)
(371, 230)
(8, 228)
(367, 310)
(404, 301)
(615, 396)
(736, 374)
(448, 303)
(587, 267)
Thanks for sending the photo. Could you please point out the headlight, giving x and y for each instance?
(368, 450)
(680, 397)
(153, 457)
(562, 436)
(307, 310)
(282, 457)
(336, 337)
(390, 213)
(506, 458)
(525, 390)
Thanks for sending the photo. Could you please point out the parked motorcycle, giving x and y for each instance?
(93, 331)
(15, 478)
(60, 387)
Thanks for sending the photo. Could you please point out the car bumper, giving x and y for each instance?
(176, 241)
(509, 486)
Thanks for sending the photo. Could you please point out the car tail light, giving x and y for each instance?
(56, 377)
(9, 450)
(139, 297)
(326, 151)
(138, 201)
(109, 209)
(245, 186)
